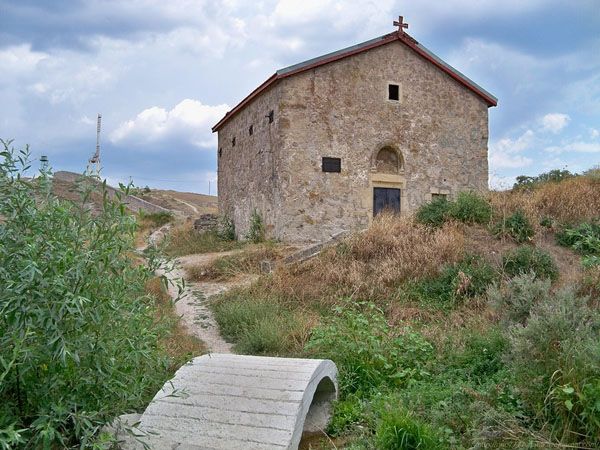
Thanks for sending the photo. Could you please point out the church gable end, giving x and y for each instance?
(378, 126)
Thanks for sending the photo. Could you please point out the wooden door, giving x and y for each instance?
(386, 199)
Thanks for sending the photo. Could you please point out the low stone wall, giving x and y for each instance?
(206, 222)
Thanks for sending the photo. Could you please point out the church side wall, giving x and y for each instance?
(341, 110)
(248, 172)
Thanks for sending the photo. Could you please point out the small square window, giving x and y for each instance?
(220, 152)
(233, 142)
(394, 92)
(439, 196)
(271, 116)
(251, 130)
(331, 164)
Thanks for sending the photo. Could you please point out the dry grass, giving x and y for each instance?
(184, 240)
(373, 263)
(179, 345)
(570, 201)
(247, 261)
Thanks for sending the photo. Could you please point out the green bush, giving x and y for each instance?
(514, 301)
(467, 279)
(398, 429)
(584, 239)
(368, 352)
(434, 213)
(226, 229)
(470, 207)
(526, 259)
(555, 358)
(515, 226)
(256, 230)
(78, 335)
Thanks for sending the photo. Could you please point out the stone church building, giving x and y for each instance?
(325, 145)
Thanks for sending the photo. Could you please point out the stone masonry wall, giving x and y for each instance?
(248, 172)
(341, 110)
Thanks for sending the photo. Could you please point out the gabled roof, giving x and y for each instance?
(353, 50)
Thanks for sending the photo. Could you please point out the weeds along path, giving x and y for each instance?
(193, 304)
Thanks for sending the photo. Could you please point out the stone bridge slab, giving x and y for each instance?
(224, 401)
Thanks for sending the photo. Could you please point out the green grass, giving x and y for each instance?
(257, 325)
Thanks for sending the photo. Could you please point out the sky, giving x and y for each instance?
(163, 72)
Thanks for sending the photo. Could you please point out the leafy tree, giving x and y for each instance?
(78, 336)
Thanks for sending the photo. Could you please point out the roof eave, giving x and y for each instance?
(245, 101)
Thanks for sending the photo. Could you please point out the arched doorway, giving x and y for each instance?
(388, 160)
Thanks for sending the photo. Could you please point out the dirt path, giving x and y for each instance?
(194, 299)
(193, 308)
(189, 205)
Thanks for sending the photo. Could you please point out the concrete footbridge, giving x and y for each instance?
(225, 401)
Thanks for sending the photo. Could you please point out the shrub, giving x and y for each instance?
(525, 259)
(555, 358)
(434, 213)
(226, 229)
(398, 429)
(516, 226)
(368, 352)
(256, 230)
(515, 300)
(470, 207)
(584, 238)
(78, 335)
(465, 279)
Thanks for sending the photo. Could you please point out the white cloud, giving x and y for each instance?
(505, 153)
(594, 134)
(19, 60)
(555, 122)
(189, 120)
(576, 146)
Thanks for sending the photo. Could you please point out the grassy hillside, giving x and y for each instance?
(474, 325)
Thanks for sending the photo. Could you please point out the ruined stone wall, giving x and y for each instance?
(248, 172)
(341, 110)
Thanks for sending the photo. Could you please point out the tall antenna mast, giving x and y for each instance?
(95, 159)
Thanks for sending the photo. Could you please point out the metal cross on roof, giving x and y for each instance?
(400, 24)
